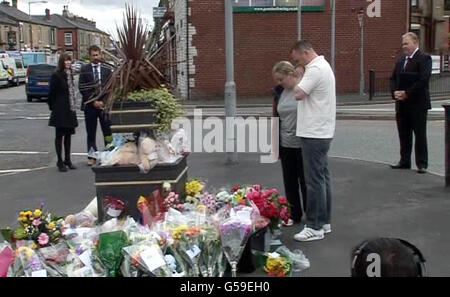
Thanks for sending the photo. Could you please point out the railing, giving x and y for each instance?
(379, 84)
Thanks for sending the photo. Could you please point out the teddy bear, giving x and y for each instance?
(147, 154)
(125, 155)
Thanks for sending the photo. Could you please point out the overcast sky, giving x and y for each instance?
(105, 12)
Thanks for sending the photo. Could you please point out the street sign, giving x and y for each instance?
(159, 12)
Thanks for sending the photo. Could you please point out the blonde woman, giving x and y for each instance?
(286, 77)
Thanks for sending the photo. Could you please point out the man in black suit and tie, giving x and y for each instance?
(92, 79)
(410, 89)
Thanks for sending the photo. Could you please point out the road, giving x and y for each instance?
(26, 141)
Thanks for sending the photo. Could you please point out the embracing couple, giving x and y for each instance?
(305, 103)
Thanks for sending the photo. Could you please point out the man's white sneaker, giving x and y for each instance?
(308, 234)
(326, 228)
(288, 224)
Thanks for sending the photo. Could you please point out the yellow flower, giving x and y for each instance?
(193, 187)
(178, 231)
(239, 197)
(37, 213)
(201, 207)
(29, 213)
(22, 213)
(51, 226)
(33, 246)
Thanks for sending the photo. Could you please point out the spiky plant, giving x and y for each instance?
(134, 70)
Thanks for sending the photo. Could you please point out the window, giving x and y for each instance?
(40, 34)
(269, 3)
(447, 4)
(68, 38)
(414, 3)
(52, 36)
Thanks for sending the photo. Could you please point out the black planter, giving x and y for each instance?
(130, 116)
(128, 184)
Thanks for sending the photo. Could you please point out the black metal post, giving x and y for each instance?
(371, 83)
(447, 144)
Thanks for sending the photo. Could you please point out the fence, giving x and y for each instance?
(379, 84)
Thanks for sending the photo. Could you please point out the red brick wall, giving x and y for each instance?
(262, 39)
(62, 41)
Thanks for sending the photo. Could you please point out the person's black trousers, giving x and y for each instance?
(293, 177)
(91, 115)
(409, 122)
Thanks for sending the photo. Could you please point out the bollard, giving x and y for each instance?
(447, 144)
(371, 83)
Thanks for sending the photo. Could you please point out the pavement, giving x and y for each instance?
(369, 200)
(349, 107)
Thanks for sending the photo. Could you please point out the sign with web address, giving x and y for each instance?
(159, 12)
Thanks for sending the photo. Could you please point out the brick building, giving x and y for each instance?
(264, 30)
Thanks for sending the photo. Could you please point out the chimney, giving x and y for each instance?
(65, 12)
(47, 14)
(14, 3)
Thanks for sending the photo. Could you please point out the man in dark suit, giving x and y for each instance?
(410, 89)
(93, 78)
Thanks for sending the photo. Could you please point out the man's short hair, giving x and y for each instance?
(411, 35)
(302, 45)
(399, 258)
(94, 48)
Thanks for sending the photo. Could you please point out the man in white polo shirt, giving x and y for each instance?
(316, 121)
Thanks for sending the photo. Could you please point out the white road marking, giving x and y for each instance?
(20, 170)
(22, 153)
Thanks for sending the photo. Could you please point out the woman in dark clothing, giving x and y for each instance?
(290, 152)
(63, 116)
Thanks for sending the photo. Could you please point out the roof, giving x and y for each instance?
(18, 15)
(63, 22)
(55, 20)
(5, 20)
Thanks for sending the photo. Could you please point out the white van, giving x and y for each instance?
(3, 77)
(9, 65)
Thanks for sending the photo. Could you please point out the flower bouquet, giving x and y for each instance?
(56, 258)
(186, 242)
(110, 251)
(42, 228)
(6, 258)
(211, 249)
(27, 262)
(234, 233)
(113, 208)
(277, 265)
(145, 258)
(194, 188)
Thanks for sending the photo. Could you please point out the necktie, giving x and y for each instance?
(406, 63)
(96, 74)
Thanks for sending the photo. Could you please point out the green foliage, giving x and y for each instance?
(168, 108)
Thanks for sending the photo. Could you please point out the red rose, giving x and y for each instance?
(282, 199)
(235, 188)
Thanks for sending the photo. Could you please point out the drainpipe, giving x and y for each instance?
(187, 50)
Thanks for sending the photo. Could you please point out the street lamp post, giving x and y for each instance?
(29, 17)
(230, 86)
(361, 25)
(299, 20)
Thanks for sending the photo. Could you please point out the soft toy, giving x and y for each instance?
(147, 154)
(125, 155)
(81, 219)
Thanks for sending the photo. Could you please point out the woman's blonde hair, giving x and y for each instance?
(284, 67)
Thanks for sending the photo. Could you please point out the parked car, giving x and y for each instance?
(3, 77)
(37, 82)
(21, 70)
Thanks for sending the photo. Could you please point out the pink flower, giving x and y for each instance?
(257, 188)
(43, 239)
(36, 222)
(282, 199)
(284, 214)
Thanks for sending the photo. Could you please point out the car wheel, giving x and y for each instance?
(29, 98)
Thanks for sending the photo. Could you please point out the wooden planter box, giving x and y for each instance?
(128, 184)
(130, 116)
